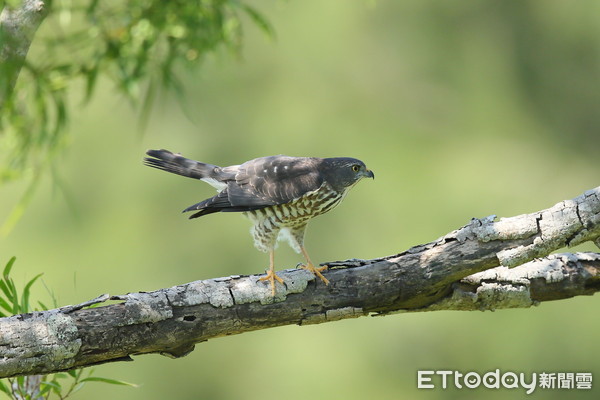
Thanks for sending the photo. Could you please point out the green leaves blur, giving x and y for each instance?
(138, 45)
(141, 46)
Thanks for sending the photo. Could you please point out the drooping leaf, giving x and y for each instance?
(259, 20)
(107, 380)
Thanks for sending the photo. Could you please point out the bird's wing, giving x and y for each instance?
(263, 182)
(273, 180)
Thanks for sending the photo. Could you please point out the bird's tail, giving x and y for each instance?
(177, 164)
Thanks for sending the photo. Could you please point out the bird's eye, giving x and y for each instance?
(356, 168)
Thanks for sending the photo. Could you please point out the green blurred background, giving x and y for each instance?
(462, 109)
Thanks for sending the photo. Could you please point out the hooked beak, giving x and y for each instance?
(370, 174)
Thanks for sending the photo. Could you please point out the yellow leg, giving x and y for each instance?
(310, 267)
(271, 276)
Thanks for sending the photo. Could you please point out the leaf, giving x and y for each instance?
(90, 83)
(61, 113)
(25, 296)
(107, 380)
(14, 296)
(56, 387)
(8, 267)
(92, 6)
(5, 305)
(5, 289)
(47, 386)
(8, 287)
(77, 387)
(42, 305)
(260, 21)
(4, 389)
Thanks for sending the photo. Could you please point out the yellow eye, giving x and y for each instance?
(356, 168)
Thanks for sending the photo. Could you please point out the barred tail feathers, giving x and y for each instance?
(177, 164)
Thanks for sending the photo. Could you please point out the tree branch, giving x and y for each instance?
(442, 275)
(17, 29)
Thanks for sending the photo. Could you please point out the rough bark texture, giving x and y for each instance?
(17, 29)
(442, 275)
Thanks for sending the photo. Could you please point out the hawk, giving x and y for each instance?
(279, 194)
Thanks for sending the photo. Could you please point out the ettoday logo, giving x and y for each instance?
(508, 380)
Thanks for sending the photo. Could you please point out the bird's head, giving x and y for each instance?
(345, 172)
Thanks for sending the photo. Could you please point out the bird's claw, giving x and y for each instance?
(316, 271)
(272, 277)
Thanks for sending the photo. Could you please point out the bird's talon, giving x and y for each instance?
(323, 268)
(272, 277)
(316, 271)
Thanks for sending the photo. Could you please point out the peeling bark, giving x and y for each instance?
(556, 277)
(459, 271)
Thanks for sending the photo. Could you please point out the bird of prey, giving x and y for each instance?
(279, 194)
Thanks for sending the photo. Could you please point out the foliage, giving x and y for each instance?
(139, 45)
(12, 302)
(62, 385)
